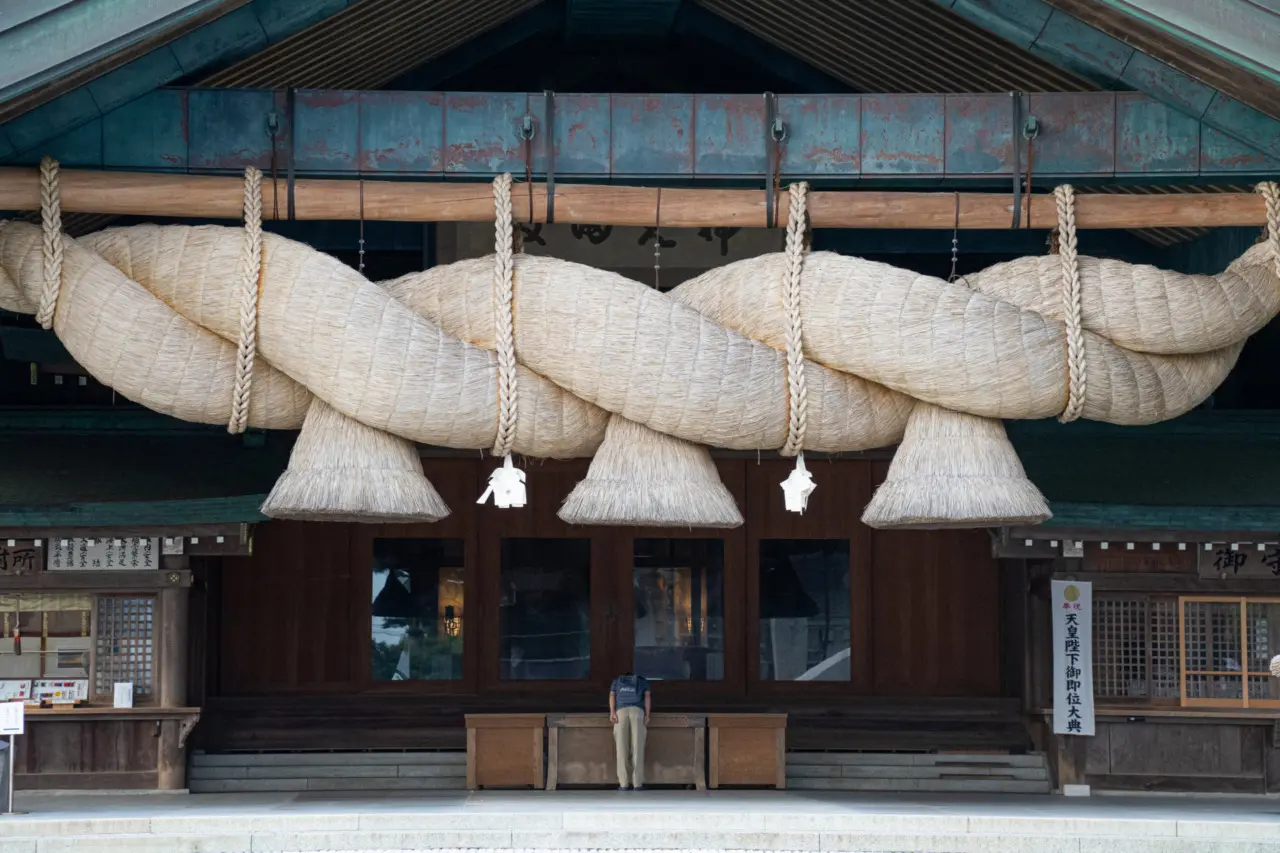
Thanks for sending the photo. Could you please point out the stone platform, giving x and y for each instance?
(647, 820)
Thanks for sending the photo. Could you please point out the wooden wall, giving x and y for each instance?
(293, 619)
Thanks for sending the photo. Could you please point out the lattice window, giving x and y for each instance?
(1135, 648)
(125, 645)
(1228, 643)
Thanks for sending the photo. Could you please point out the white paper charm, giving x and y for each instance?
(123, 694)
(798, 486)
(506, 484)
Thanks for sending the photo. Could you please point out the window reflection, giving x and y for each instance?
(804, 610)
(679, 609)
(545, 611)
(417, 609)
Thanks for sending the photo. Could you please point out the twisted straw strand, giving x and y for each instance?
(504, 320)
(250, 287)
(1065, 196)
(797, 246)
(51, 226)
(1270, 191)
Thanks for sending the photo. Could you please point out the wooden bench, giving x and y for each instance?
(504, 750)
(581, 750)
(748, 749)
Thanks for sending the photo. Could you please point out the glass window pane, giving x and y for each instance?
(545, 611)
(679, 609)
(804, 610)
(1263, 627)
(417, 609)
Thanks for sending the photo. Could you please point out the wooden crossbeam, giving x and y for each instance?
(220, 197)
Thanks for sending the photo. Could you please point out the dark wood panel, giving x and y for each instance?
(286, 622)
(936, 610)
(122, 781)
(438, 722)
(92, 746)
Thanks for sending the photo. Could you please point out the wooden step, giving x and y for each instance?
(327, 771)
(950, 786)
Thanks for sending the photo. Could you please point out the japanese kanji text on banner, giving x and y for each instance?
(1072, 658)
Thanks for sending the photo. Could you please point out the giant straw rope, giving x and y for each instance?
(787, 351)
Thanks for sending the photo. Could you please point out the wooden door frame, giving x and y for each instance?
(455, 479)
(845, 486)
(732, 600)
(548, 484)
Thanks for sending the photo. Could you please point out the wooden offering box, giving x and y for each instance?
(504, 750)
(748, 749)
(581, 750)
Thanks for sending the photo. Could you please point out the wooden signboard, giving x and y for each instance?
(89, 555)
(1245, 560)
(20, 557)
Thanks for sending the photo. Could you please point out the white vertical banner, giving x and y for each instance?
(1072, 657)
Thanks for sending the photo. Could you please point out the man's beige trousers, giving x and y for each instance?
(628, 735)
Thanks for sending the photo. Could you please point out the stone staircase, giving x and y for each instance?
(923, 772)
(244, 772)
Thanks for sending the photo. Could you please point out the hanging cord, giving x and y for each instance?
(1065, 196)
(360, 239)
(657, 243)
(503, 314)
(798, 410)
(955, 243)
(51, 227)
(1270, 192)
(1031, 150)
(250, 289)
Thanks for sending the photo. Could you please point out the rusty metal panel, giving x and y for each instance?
(1077, 133)
(584, 138)
(326, 131)
(228, 129)
(729, 134)
(1153, 139)
(1245, 123)
(1224, 154)
(140, 135)
(824, 134)
(482, 132)
(652, 135)
(979, 135)
(401, 132)
(1167, 84)
(903, 134)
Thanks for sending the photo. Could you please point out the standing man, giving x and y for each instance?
(629, 706)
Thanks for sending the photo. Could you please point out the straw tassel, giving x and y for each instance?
(799, 485)
(342, 470)
(642, 478)
(954, 470)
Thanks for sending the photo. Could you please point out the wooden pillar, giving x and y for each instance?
(171, 761)
(1072, 754)
(173, 642)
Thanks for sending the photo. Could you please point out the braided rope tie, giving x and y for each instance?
(799, 485)
(1270, 191)
(1065, 196)
(250, 288)
(504, 316)
(797, 228)
(507, 483)
(51, 226)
